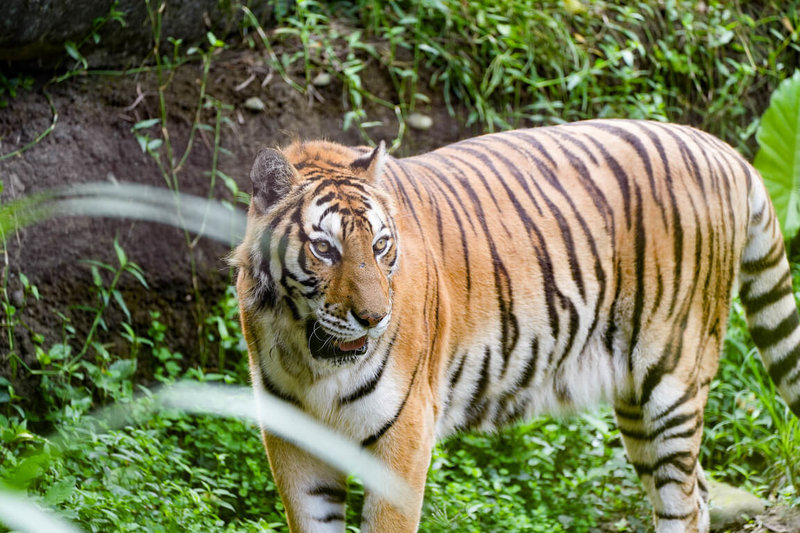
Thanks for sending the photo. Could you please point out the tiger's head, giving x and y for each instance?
(321, 247)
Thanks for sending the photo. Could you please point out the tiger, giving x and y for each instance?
(532, 271)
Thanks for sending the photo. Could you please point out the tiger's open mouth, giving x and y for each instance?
(326, 346)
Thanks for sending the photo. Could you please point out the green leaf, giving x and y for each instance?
(121, 257)
(213, 41)
(121, 302)
(146, 123)
(135, 270)
(73, 52)
(59, 491)
(154, 144)
(778, 158)
(98, 281)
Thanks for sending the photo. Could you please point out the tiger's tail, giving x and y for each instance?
(766, 291)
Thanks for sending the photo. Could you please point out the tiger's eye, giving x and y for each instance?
(380, 244)
(321, 247)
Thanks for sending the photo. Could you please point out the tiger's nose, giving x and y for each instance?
(369, 319)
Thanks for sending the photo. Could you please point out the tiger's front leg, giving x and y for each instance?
(312, 492)
(406, 449)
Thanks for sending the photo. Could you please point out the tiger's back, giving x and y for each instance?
(571, 256)
(531, 271)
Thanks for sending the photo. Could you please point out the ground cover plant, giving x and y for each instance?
(496, 65)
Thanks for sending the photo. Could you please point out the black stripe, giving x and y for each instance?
(442, 181)
(529, 136)
(369, 386)
(640, 243)
(794, 378)
(672, 423)
(676, 224)
(664, 481)
(632, 414)
(594, 192)
(332, 517)
(778, 291)
(530, 365)
(330, 494)
(666, 363)
(779, 369)
(673, 516)
(457, 374)
(795, 407)
(478, 403)
(273, 389)
(372, 439)
(400, 192)
(620, 175)
(611, 330)
(324, 198)
(690, 393)
(674, 459)
(642, 152)
(687, 433)
(480, 175)
(766, 337)
(768, 260)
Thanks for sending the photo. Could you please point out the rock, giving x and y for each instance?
(418, 121)
(729, 505)
(254, 103)
(321, 80)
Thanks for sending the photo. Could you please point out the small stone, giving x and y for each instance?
(322, 79)
(729, 506)
(418, 121)
(15, 185)
(18, 298)
(254, 103)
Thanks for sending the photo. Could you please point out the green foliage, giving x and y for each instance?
(543, 475)
(10, 86)
(524, 62)
(778, 158)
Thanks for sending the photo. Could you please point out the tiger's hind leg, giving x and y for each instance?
(662, 438)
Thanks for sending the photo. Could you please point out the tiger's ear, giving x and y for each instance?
(272, 176)
(371, 165)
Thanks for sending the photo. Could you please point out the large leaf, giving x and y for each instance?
(778, 158)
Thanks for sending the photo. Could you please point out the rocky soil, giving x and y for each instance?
(93, 141)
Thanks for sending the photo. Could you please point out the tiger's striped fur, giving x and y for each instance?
(531, 271)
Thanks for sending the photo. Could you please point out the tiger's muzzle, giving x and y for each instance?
(328, 347)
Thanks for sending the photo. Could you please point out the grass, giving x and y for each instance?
(507, 63)
(524, 62)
